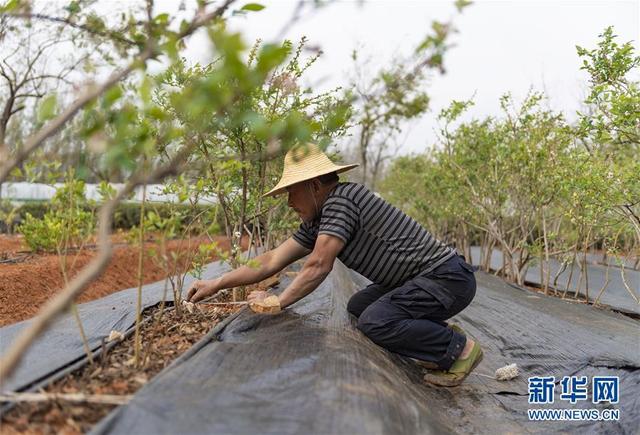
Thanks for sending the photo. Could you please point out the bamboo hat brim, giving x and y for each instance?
(305, 163)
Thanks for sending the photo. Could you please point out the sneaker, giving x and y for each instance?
(458, 372)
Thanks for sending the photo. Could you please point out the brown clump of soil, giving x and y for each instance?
(28, 280)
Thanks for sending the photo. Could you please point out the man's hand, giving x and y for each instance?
(257, 296)
(262, 302)
(271, 262)
(202, 289)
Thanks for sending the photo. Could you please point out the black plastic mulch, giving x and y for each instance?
(308, 370)
(615, 295)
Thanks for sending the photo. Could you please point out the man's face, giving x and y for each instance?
(301, 200)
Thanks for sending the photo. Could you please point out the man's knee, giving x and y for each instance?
(357, 304)
(364, 298)
(374, 323)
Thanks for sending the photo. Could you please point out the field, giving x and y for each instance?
(194, 194)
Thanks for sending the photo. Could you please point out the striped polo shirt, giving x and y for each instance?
(381, 242)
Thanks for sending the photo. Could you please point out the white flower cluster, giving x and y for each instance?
(286, 82)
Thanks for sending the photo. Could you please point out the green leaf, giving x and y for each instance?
(112, 95)
(254, 7)
(461, 4)
(171, 46)
(9, 6)
(162, 18)
(73, 7)
(47, 109)
(145, 90)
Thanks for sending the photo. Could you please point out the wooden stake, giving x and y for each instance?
(107, 399)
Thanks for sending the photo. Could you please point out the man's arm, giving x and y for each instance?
(314, 271)
(270, 263)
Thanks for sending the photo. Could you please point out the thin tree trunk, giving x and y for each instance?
(542, 281)
(83, 336)
(586, 276)
(62, 255)
(485, 253)
(580, 277)
(63, 300)
(467, 243)
(546, 252)
(561, 269)
(584, 270)
(626, 284)
(573, 259)
(604, 286)
(137, 337)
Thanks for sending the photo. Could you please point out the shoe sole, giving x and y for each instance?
(443, 382)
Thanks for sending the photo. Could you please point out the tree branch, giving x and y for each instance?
(35, 141)
(113, 34)
(109, 399)
(63, 300)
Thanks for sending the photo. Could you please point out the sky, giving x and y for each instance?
(501, 46)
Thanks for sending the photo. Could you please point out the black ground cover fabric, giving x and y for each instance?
(614, 261)
(615, 294)
(61, 344)
(309, 370)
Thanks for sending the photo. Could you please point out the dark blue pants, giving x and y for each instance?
(410, 319)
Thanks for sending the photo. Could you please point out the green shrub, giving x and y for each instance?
(9, 215)
(69, 221)
(48, 233)
(37, 209)
(126, 215)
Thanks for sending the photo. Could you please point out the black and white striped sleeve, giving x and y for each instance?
(306, 235)
(340, 218)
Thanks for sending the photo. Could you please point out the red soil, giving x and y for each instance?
(27, 283)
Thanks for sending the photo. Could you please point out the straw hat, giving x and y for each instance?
(305, 163)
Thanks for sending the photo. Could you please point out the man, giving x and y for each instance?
(417, 281)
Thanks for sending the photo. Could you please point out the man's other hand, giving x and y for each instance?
(264, 303)
(201, 289)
